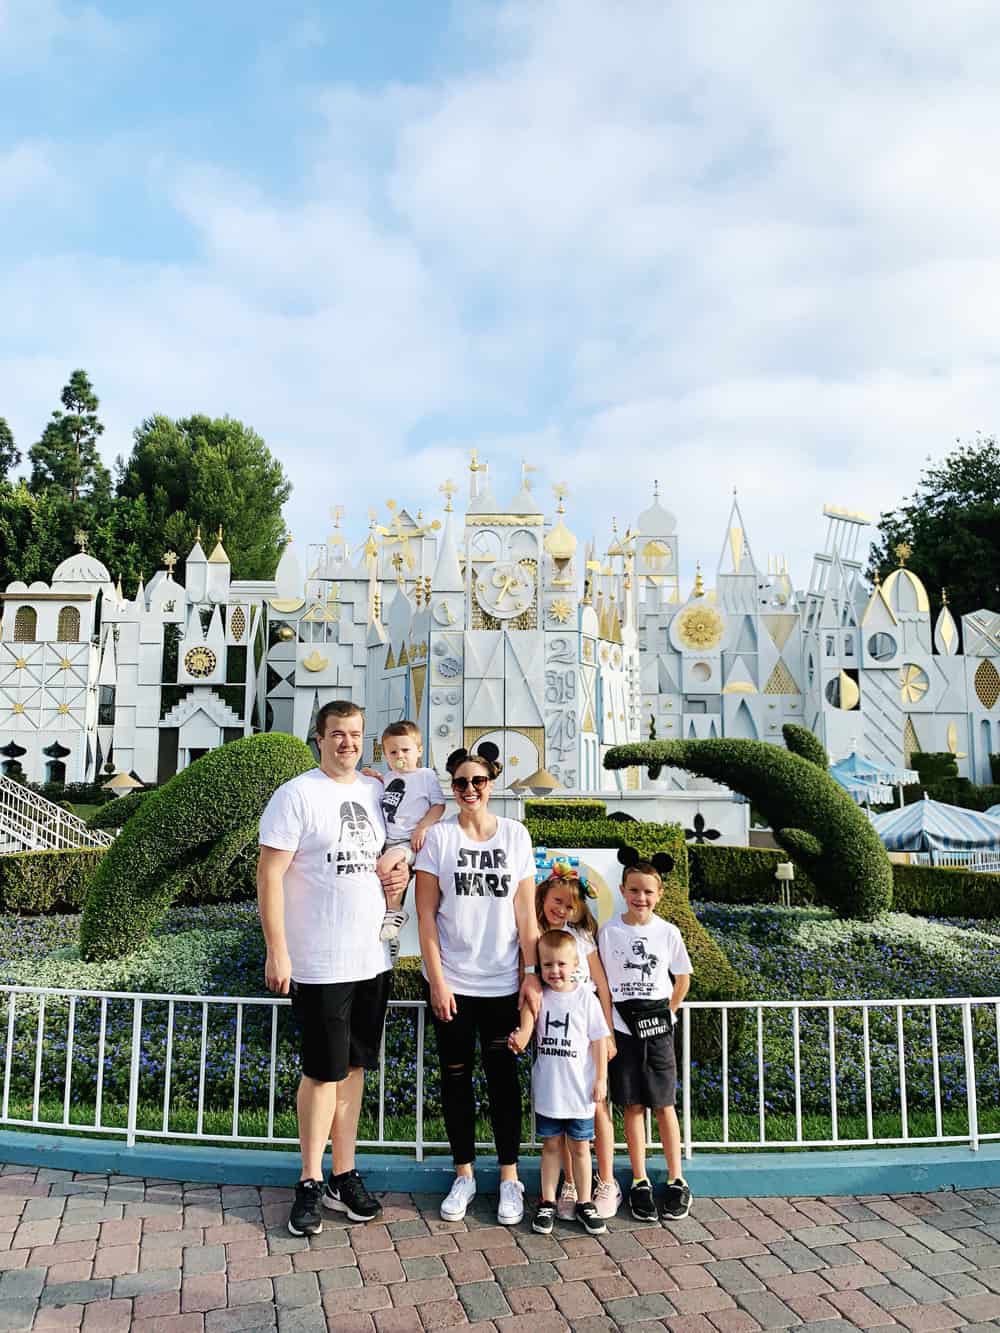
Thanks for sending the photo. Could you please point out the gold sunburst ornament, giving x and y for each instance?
(913, 683)
(560, 610)
(700, 627)
(200, 661)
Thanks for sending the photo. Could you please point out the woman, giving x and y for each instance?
(476, 915)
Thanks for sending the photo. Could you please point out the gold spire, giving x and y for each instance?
(447, 489)
(197, 533)
(944, 596)
(903, 552)
(699, 583)
(81, 537)
(169, 559)
(560, 490)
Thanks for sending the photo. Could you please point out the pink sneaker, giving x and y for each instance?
(566, 1203)
(607, 1197)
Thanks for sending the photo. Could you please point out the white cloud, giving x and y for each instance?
(745, 244)
(34, 31)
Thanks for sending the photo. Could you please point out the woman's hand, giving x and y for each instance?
(531, 995)
(612, 1047)
(518, 1039)
(443, 1002)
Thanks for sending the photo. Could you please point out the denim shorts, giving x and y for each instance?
(546, 1127)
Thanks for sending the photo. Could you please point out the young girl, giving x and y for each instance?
(561, 897)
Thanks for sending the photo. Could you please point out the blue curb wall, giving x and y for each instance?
(725, 1175)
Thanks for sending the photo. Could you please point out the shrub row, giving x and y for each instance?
(33, 883)
(579, 807)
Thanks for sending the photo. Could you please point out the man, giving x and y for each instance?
(321, 907)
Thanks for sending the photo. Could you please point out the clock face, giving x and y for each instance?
(199, 661)
(505, 590)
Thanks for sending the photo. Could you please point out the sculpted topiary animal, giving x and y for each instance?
(193, 828)
(812, 818)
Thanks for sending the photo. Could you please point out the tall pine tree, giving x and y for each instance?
(66, 458)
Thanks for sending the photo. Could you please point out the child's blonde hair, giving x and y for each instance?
(585, 918)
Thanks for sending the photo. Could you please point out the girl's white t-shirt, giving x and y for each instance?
(585, 946)
(641, 960)
(475, 920)
(406, 798)
(562, 1076)
(334, 902)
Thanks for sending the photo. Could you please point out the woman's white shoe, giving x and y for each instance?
(458, 1198)
(511, 1208)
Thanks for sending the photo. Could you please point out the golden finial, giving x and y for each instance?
(81, 537)
(475, 465)
(526, 467)
(560, 490)
(197, 533)
(218, 535)
(447, 489)
(944, 596)
(878, 580)
(337, 513)
(170, 559)
(699, 583)
(656, 489)
(288, 538)
(903, 552)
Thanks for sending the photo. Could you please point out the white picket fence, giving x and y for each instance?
(125, 1051)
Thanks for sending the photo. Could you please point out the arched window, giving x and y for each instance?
(25, 624)
(69, 625)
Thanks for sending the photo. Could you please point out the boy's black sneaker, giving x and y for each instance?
(676, 1201)
(306, 1217)
(544, 1218)
(590, 1219)
(347, 1194)
(641, 1203)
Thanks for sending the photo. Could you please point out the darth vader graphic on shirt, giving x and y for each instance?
(392, 798)
(357, 843)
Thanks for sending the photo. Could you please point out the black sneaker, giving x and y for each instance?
(544, 1218)
(641, 1203)
(306, 1217)
(590, 1219)
(676, 1202)
(347, 1194)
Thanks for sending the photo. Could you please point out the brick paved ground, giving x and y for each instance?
(113, 1253)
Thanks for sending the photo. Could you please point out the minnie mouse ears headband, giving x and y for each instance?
(661, 861)
(486, 751)
(561, 867)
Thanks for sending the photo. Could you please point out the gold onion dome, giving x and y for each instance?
(560, 543)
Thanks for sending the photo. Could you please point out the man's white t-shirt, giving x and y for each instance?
(475, 920)
(406, 798)
(562, 1077)
(334, 902)
(639, 961)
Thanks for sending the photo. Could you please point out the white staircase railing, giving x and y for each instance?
(30, 823)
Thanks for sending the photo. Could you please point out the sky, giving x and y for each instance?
(744, 244)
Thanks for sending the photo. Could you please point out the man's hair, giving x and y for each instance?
(406, 728)
(557, 940)
(339, 708)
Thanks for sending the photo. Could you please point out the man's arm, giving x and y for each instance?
(271, 866)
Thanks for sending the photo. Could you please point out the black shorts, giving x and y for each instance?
(644, 1072)
(340, 1025)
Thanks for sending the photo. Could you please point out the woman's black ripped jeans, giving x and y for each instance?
(493, 1018)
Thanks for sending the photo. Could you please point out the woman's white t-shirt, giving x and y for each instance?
(475, 919)
(562, 1077)
(334, 902)
(639, 961)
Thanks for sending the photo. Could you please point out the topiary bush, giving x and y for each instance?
(194, 827)
(115, 814)
(812, 818)
(581, 807)
(742, 875)
(33, 883)
(934, 766)
(801, 741)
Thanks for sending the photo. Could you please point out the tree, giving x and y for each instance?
(66, 458)
(951, 525)
(208, 473)
(10, 455)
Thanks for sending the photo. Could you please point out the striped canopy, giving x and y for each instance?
(866, 793)
(931, 826)
(993, 812)
(856, 768)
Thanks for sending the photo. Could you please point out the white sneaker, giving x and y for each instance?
(392, 924)
(458, 1198)
(511, 1208)
(607, 1197)
(566, 1203)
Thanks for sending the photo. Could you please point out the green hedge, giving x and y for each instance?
(580, 807)
(937, 891)
(934, 766)
(742, 875)
(192, 831)
(813, 819)
(801, 741)
(115, 814)
(33, 883)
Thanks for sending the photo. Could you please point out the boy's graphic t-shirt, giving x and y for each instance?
(562, 1076)
(333, 898)
(641, 961)
(406, 798)
(475, 920)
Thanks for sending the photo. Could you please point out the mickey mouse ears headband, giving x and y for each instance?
(661, 861)
(485, 750)
(561, 867)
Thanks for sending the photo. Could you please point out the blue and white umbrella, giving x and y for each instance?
(930, 826)
(993, 812)
(856, 768)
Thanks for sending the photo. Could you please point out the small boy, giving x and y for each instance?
(649, 973)
(569, 1076)
(411, 802)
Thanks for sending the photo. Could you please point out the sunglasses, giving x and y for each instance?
(479, 782)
